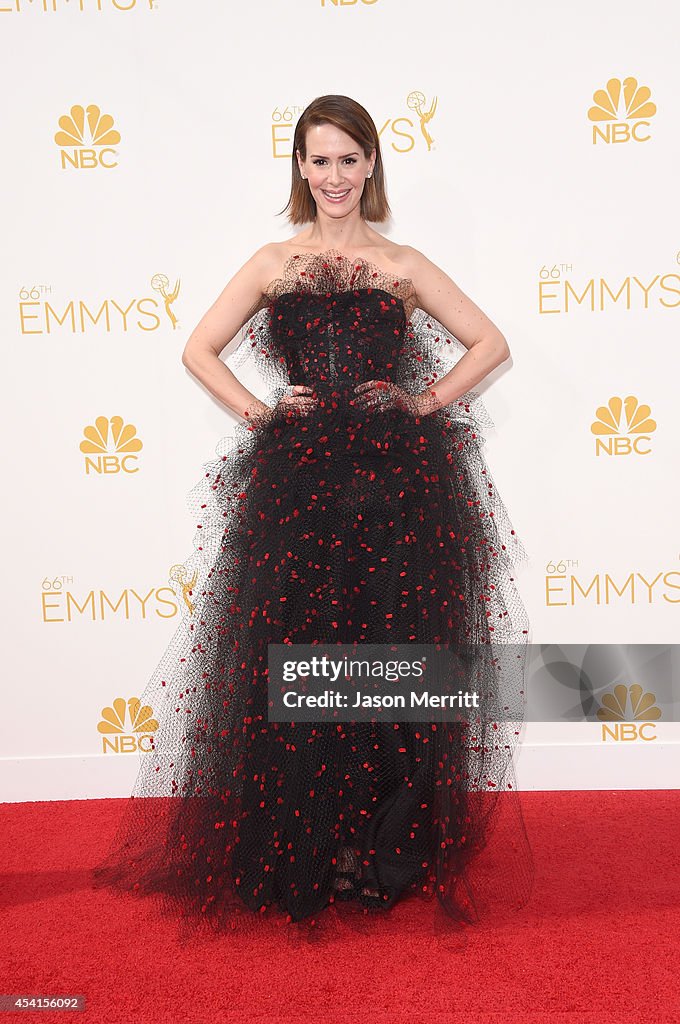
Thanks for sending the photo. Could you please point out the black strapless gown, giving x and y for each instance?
(333, 526)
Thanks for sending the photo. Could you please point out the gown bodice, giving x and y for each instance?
(339, 338)
(333, 322)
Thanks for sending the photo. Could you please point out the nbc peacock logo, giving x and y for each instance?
(127, 727)
(86, 139)
(110, 446)
(627, 713)
(623, 427)
(621, 112)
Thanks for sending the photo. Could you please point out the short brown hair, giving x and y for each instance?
(348, 115)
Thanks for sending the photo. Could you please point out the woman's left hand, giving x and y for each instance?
(383, 394)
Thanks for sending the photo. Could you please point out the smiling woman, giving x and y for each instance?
(353, 506)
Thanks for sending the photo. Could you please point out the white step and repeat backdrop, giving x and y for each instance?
(531, 151)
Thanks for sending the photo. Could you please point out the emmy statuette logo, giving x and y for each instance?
(178, 575)
(161, 284)
(407, 131)
(416, 102)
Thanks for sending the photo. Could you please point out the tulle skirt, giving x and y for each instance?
(323, 529)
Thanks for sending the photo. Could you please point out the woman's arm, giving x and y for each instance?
(219, 325)
(440, 296)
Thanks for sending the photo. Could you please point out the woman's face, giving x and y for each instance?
(335, 168)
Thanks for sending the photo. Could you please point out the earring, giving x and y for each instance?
(369, 174)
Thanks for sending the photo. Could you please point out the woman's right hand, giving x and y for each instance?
(300, 402)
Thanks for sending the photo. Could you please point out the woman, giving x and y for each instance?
(353, 505)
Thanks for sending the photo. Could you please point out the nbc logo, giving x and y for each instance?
(86, 138)
(621, 112)
(110, 446)
(614, 709)
(127, 728)
(622, 427)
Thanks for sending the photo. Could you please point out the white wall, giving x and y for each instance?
(515, 199)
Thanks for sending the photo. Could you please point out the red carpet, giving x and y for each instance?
(598, 942)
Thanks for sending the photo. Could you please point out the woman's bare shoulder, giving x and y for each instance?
(424, 273)
(413, 259)
(403, 258)
(265, 263)
(272, 257)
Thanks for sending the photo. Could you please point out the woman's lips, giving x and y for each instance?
(336, 198)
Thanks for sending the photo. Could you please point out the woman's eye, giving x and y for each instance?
(319, 160)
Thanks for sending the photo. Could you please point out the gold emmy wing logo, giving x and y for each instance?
(110, 446)
(416, 102)
(41, 315)
(621, 112)
(623, 427)
(403, 129)
(178, 574)
(161, 284)
(86, 138)
(127, 728)
(614, 709)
